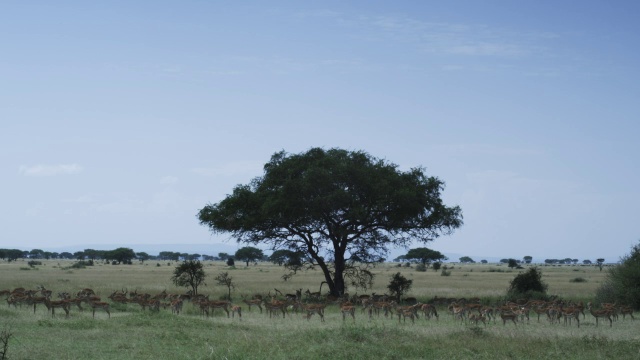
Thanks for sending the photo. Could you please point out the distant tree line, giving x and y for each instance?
(287, 258)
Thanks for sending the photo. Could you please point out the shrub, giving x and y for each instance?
(527, 285)
(578, 280)
(5, 335)
(399, 285)
(444, 272)
(621, 284)
(421, 267)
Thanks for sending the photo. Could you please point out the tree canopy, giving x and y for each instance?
(424, 255)
(286, 257)
(189, 274)
(249, 254)
(466, 260)
(336, 206)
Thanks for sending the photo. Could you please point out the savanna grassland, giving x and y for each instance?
(131, 333)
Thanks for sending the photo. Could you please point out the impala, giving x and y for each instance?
(378, 306)
(35, 301)
(274, 306)
(99, 305)
(348, 310)
(540, 310)
(429, 310)
(508, 316)
(15, 299)
(489, 312)
(570, 313)
(44, 292)
(605, 313)
(475, 318)
(626, 310)
(236, 309)
(406, 313)
(554, 314)
(218, 305)
(312, 295)
(413, 308)
(86, 292)
(253, 302)
(176, 306)
(153, 304)
(63, 304)
(459, 312)
(315, 309)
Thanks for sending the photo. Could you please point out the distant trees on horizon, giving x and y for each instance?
(127, 255)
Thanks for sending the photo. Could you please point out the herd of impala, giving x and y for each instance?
(464, 310)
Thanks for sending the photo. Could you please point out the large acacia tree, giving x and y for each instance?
(344, 209)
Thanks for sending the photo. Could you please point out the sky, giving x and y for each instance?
(119, 120)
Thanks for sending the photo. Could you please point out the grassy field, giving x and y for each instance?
(131, 333)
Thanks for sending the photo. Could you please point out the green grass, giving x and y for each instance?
(131, 333)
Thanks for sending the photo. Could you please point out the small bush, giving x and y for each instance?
(444, 272)
(578, 280)
(5, 335)
(421, 267)
(527, 285)
(621, 284)
(399, 285)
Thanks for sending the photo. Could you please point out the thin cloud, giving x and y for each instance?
(50, 170)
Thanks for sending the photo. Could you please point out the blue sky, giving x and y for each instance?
(119, 120)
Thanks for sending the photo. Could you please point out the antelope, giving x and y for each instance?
(605, 313)
(429, 310)
(86, 292)
(312, 295)
(218, 305)
(35, 301)
(99, 305)
(348, 310)
(290, 297)
(508, 316)
(276, 305)
(626, 310)
(570, 313)
(52, 305)
(44, 292)
(315, 309)
(256, 302)
(236, 309)
(176, 306)
(475, 318)
(406, 313)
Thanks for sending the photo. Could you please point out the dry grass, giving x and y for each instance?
(134, 334)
